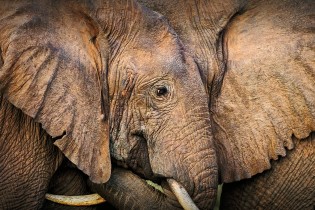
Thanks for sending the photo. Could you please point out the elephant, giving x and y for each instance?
(101, 85)
(256, 60)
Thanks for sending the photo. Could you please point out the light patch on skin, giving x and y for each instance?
(155, 186)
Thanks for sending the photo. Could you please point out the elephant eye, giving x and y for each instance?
(161, 91)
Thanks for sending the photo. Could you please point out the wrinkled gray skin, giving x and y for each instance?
(71, 72)
(28, 163)
(257, 63)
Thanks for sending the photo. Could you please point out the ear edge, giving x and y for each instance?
(99, 174)
(102, 173)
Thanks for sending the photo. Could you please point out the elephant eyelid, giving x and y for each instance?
(162, 92)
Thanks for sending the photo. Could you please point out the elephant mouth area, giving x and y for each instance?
(152, 181)
(138, 160)
(171, 192)
(138, 164)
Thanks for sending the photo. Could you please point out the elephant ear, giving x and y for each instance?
(54, 71)
(268, 92)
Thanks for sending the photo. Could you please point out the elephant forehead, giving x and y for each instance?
(157, 61)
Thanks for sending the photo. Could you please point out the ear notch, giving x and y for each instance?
(267, 96)
(57, 75)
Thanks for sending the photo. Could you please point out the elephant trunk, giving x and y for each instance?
(190, 159)
(125, 190)
(200, 180)
(205, 177)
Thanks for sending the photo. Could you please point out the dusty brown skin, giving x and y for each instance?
(288, 185)
(86, 75)
(257, 65)
(29, 162)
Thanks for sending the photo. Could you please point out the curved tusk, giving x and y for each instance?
(182, 196)
(81, 200)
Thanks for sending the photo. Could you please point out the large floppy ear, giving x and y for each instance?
(268, 92)
(54, 70)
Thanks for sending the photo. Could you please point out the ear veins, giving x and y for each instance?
(101, 61)
(102, 73)
(124, 94)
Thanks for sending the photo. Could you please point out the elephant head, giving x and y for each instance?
(257, 66)
(155, 130)
(103, 73)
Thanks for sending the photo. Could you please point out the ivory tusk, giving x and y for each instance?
(81, 200)
(182, 196)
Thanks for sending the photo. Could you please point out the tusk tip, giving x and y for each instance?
(82, 200)
(182, 195)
